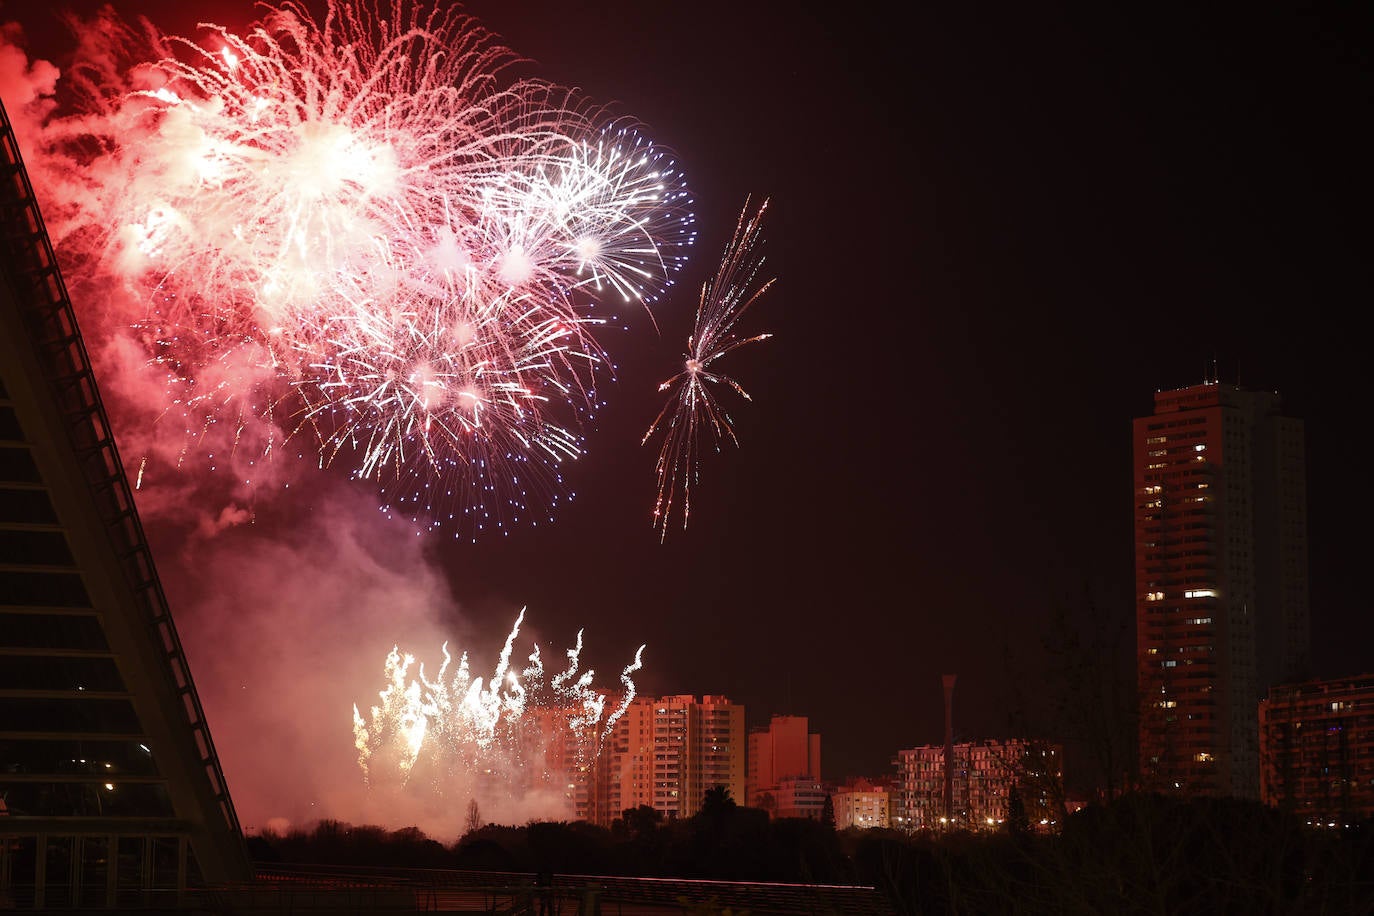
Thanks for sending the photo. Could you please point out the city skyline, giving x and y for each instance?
(992, 247)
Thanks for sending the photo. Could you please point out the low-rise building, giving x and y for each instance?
(1317, 749)
(983, 776)
(861, 803)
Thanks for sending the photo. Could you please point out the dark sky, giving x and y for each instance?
(996, 233)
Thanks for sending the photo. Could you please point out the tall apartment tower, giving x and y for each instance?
(698, 745)
(1221, 581)
(667, 753)
(111, 795)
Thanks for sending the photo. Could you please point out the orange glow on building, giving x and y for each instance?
(668, 753)
(785, 767)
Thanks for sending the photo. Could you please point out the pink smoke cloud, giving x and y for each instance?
(27, 86)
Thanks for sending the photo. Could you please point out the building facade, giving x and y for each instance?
(862, 804)
(1317, 749)
(985, 775)
(1221, 581)
(799, 796)
(624, 768)
(667, 753)
(558, 762)
(785, 750)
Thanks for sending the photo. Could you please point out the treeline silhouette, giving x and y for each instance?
(1141, 853)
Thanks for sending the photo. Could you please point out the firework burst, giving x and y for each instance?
(359, 231)
(521, 727)
(693, 407)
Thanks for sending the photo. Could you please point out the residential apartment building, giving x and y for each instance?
(1221, 581)
(863, 804)
(624, 768)
(783, 751)
(667, 753)
(1317, 749)
(985, 774)
(557, 761)
(798, 796)
(698, 745)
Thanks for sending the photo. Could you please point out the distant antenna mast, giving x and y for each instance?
(948, 682)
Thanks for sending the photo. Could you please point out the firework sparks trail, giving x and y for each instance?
(360, 230)
(693, 407)
(524, 726)
(611, 213)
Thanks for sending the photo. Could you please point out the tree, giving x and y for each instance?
(828, 813)
(1018, 821)
(474, 819)
(1085, 695)
(641, 822)
(717, 802)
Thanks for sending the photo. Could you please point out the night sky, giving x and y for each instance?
(995, 234)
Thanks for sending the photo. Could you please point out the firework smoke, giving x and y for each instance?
(693, 406)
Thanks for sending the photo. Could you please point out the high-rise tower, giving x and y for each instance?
(1221, 581)
(667, 753)
(111, 794)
